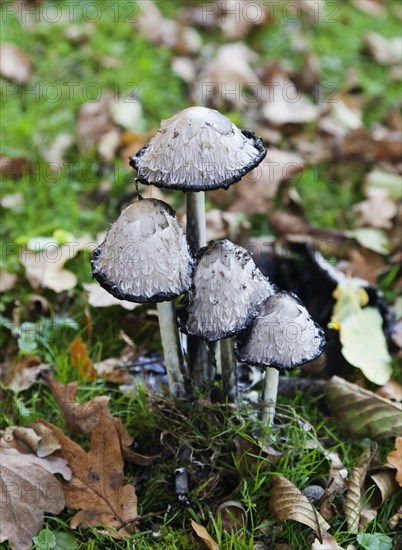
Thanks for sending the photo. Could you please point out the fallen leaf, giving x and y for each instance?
(283, 103)
(28, 489)
(385, 180)
(328, 543)
(94, 121)
(108, 144)
(360, 331)
(7, 281)
(97, 487)
(14, 168)
(361, 412)
(386, 51)
(232, 514)
(54, 153)
(371, 238)
(44, 266)
(287, 502)
(127, 112)
(238, 17)
(80, 360)
(37, 437)
(371, 7)
(354, 501)
(378, 210)
(14, 201)
(395, 459)
(99, 297)
(25, 373)
(155, 27)
(204, 536)
(392, 390)
(254, 193)
(14, 63)
(82, 418)
(228, 79)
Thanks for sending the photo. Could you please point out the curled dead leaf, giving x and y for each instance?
(361, 412)
(38, 438)
(395, 459)
(25, 372)
(204, 535)
(287, 502)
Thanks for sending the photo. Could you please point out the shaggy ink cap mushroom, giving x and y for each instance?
(198, 149)
(227, 286)
(282, 335)
(145, 256)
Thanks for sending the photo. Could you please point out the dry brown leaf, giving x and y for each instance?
(97, 487)
(55, 152)
(328, 543)
(237, 17)
(44, 268)
(387, 51)
(362, 412)
(155, 27)
(99, 297)
(37, 437)
(377, 210)
(283, 103)
(354, 497)
(232, 514)
(28, 489)
(287, 502)
(82, 418)
(228, 78)
(204, 535)
(94, 121)
(392, 390)
(254, 193)
(371, 7)
(80, 359)
(25, 373)
(15, 168)
(14, 63)
(395, 459)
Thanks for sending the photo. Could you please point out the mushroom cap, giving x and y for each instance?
(198, 149)
(226, 288)
(144, 256)
(282, 335)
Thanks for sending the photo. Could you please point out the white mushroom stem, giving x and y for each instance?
(197, 350)
(229, 370)
(171, 348)
(196, 232)
(269, 395)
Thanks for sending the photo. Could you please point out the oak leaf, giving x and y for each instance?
(82, 418)
(97, 487)
(28, 488)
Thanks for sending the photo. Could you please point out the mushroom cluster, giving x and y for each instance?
(146, 257)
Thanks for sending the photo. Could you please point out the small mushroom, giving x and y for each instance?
(145, 258)
(227, 286)
(198, 149)
(283, 336)
(145, 255)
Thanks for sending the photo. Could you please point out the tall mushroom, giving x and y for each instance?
(226, 288)
(145, 258)
(197, 150)
(281, 337)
